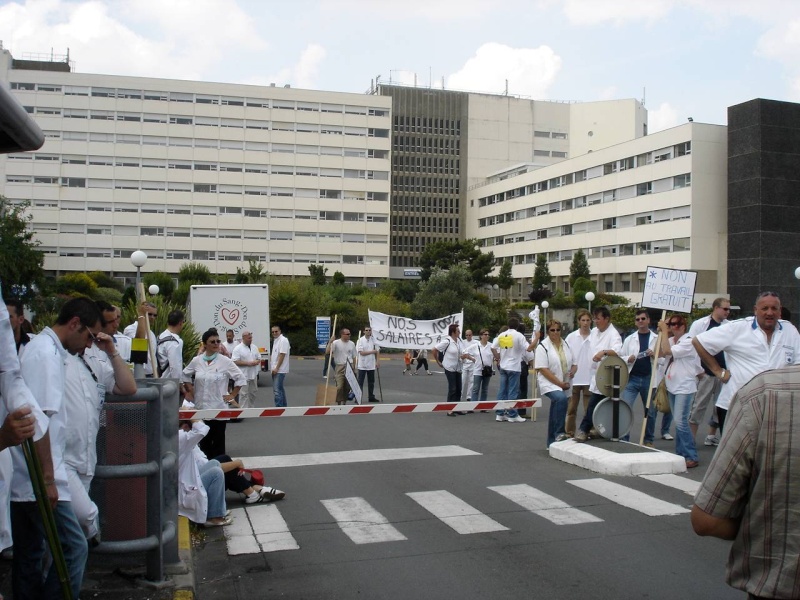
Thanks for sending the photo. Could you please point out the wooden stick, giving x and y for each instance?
(652, 381)
(330, 356)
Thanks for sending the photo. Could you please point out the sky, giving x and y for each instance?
(684, 58)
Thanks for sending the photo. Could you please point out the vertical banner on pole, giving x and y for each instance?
(323, 332)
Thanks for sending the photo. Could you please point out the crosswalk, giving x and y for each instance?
(262, 528)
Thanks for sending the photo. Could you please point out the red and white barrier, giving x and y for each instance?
(354, 409)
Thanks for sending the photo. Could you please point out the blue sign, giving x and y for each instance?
(323, 331)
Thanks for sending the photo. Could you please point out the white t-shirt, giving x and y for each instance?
(170, 352)
(281, 346)
(123, 344)
(367, 362)
(684, 368)
(483, 355)
(547, 357)
(211, 380)
(231, 346)
(247, 353)
(511, 345)
(599, 341)
(747, 353)
(469, 348)
(581, 348)
(343, 351)
(450, 352)
(130, 331)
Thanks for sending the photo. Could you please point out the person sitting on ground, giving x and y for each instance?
(236, 482)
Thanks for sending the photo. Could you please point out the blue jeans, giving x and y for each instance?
(453, 385)
(558, 414)
(681, 407)
(277, 389)
(214, 481)
(29, 544)
(586, 423)
(480, 387)
(509, 390)
(638, 386)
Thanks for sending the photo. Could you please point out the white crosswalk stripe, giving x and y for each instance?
(630, 498)
(361, 522)
(258, 528)
(683, 484)
(455, 513)
(544, 505)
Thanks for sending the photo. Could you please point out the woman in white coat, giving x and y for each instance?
(555, 369)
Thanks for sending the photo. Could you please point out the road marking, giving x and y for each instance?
(675, 481)
(544, 505)
(258, 528)
(354, 456)
(455, 513)
(360, 522)
(629, 498)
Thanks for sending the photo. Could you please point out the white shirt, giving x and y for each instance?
(246, 353)
(172, 353)
(469, 348)
(547, 357)
(630, 347)
(367, 362)
(581, 348)
(211, 380)
(231, 346)
(450, 352)
(43, 368)
(192, 496)
(130, 331)
(123, 344)
(684, 368)
(281, 346)
(747, 353)
(83, 402)
(511, 358)
(599, 341)
(483, 355)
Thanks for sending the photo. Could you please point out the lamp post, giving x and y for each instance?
(589, 297)
(545, 305)
(138, 259)
(153, 290)
(797, 308)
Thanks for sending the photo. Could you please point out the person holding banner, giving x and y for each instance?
(605, 341)
(681, 381)
(450, 354)
(343, 351)
(751, 346)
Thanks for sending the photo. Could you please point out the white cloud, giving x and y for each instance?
(593, 12)
(307, 68)
(608, 93)
(663, 117)
(529, 71)
(433, 10)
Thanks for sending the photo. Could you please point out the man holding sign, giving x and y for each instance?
(344, 353)
(751, 345)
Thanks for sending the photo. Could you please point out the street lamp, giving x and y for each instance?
(797, 276)
(589, 297)
(138, 259)
(153, 290)
(545, 304)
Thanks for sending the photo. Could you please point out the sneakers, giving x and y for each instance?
(561, 437)
(253, 498)
(429, 373)
(580, 436)
(269, 494)
(711, 440)
(648, 444)
(667, 436)
(218, 522)
(516, 419)
(594, 434)
(691, 464)
(499, 418)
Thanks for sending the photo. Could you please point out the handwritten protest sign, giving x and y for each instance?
(669, 289)
(391, 331)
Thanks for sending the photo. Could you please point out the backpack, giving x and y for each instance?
(162, 367)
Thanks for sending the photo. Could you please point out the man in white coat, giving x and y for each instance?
(247, 357)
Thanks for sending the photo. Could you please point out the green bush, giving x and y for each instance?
(110, 295)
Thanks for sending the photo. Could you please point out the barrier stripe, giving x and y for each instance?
(354, 409)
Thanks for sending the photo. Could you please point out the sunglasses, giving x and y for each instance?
(552, 330)
(641, 318)
(728, 309)
(212, 342)
(674, 324)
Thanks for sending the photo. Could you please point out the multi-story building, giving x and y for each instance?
(196, 171)
(444, 142)
(658, 200)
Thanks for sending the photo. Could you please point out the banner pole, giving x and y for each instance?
(652, 382)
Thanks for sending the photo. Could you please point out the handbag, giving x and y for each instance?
(662, 398)
(487, 370)
(254, 476)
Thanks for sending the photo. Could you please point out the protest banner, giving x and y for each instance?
(669, 289)
(392, 331)
(352, 380)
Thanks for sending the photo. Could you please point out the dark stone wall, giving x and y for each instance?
(764, 202)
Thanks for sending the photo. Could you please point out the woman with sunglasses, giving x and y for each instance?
(484, 356)
(206, 378)
(555, 369)
(683, 367)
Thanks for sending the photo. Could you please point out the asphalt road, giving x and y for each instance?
(617, 552)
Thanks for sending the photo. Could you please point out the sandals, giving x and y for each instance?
(221, 523)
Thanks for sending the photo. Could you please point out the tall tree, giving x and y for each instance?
(467, 253)
(541, 274)
(317, 273)
(504, 278)
(21, 262)
(579, 267)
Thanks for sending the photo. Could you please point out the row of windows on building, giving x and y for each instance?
(203, 121)
(341, 259)
(415, 244)
(193, 142)
(198, 210)
(188, 98)
(612, 251)
(424, 224)
(425, 204)
(436, 126)
(182, 186)
(674, 213)
(209, 233)
(650, 187)
(425, 145)
(436, 185)
(616, 166)
(425, 164)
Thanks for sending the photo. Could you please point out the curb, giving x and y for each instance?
(649, 461)
(184, 581)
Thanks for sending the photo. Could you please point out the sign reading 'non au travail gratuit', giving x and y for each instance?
(669, 289)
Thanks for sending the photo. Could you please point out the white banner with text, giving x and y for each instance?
(669, 289)
(391, 331)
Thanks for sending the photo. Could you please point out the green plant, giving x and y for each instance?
(165, 283)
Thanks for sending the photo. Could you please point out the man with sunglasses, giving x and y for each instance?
(43, 366)
(279, 364)
(751, 345)
(638, 350)
(708, 386)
